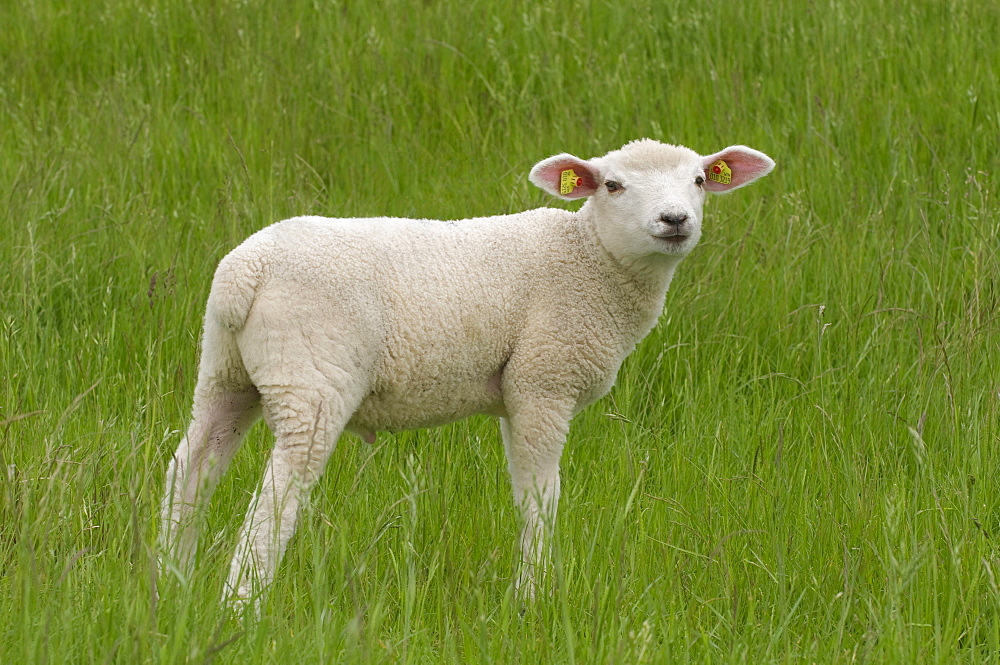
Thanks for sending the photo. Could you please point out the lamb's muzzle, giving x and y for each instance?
(673, 219)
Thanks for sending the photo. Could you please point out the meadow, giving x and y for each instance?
(799, 465)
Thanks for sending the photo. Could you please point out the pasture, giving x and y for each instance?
(801, 463)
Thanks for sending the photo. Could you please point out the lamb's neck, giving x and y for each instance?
(645, 278)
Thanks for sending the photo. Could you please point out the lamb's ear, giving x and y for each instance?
(566, 176)
(734, 167)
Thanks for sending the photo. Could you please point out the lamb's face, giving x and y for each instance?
(647, 198)
(650, 199)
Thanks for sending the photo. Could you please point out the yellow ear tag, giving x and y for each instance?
(720, 172)
(569, 181)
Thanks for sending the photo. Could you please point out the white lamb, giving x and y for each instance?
(325, 325)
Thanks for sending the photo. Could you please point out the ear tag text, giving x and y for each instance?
(568, 181)
(720, 172)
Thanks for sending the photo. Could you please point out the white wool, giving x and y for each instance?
(325, 325)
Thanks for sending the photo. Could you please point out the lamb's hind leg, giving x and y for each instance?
(220, 420)
(306, 424)
(226, 404)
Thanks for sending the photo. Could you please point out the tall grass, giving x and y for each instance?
(799, 465)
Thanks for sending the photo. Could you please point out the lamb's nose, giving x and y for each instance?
(675, 219)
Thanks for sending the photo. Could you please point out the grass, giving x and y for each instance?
(800, 464)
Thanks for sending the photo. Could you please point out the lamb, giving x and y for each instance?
(366, 325)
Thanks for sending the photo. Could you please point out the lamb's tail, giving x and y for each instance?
(234, 289)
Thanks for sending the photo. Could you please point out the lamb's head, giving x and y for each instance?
(646, 199)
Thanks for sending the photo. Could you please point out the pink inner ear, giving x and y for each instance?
(552, 172)
(746, 164)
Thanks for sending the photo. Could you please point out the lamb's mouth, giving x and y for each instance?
(675, 238)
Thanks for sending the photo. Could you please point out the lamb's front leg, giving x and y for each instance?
(533, 438)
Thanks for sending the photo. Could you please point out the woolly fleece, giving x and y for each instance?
(366, 325)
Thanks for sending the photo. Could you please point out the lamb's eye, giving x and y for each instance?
(613, 186)
(699, 181)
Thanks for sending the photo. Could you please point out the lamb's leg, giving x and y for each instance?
(226, 404)
(220, 420)
(533, 439)
(306, 426)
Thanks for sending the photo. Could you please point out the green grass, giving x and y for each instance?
(799, 465)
